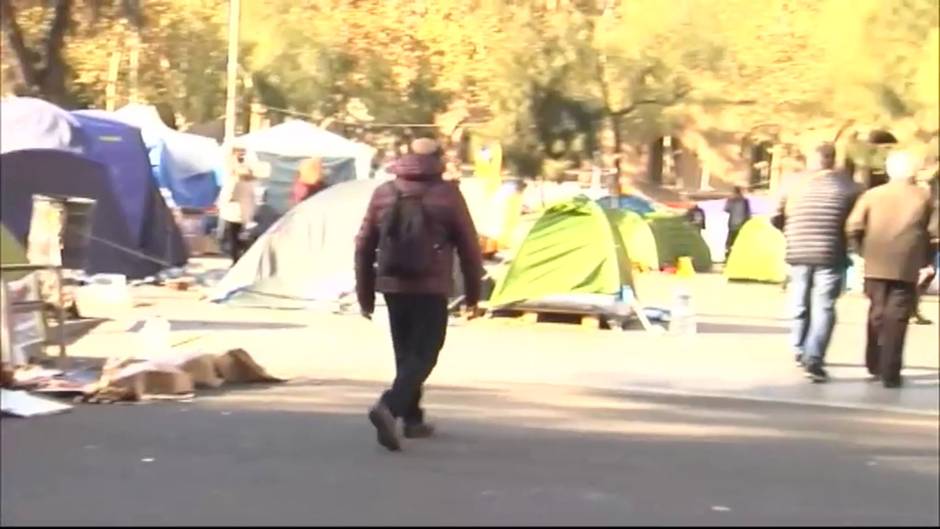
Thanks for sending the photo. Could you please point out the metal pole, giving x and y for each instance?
(234, 9)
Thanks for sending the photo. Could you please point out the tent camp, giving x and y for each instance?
(282, 147)
(676, 237)
(188, 165)
(306, 256)
(716, 222)
(638, 238)
(573, 253)
(758, 254)
(148, 226)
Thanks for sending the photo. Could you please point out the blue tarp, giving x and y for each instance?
(632, 203)
(188, 165)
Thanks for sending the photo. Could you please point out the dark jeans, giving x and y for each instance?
(888, 314)
(813, 294)
(232, 235)
(419, 327)
(729, 242)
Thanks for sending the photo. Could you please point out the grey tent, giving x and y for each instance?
(306, 257)
(305, 260)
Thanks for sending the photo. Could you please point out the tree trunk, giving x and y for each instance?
(654, 162)
(48, 81)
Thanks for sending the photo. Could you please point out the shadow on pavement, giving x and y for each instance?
(513, 455)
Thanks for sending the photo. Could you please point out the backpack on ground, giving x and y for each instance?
(406, 240)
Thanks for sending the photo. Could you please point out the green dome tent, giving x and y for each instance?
(676, 238)
(758, 254)
(573, 248)
(638, 238)
(11, 253)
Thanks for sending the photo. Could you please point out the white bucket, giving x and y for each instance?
(105, 296)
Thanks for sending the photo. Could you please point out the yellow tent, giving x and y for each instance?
(758, 254)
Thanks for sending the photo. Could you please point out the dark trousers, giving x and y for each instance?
(419, 327)
(232, 236)
(888, 314)
(732, 236)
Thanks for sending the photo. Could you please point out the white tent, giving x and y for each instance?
(300, 139)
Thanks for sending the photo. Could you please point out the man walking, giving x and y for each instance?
(812, 215)
(893, 226)
(739, 212)
(405, 249)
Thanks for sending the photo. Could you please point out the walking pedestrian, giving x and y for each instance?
(405, 249)
(237, 205)
(919, 318)
(812, 215)
(894, 227)
(739, 212)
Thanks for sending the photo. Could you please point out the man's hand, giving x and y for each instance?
(926, 275)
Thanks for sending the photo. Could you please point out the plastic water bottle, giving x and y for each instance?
(683, 321)
(623, 304)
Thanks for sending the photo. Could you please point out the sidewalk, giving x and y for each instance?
(740, 352)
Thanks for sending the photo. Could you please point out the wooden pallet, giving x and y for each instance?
(180, 284)
(586, 320)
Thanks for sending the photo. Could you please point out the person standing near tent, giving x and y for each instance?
(405, 250)
(812, 216)
(237, 204)
(893, 226)
(739, 212)
(309, 180)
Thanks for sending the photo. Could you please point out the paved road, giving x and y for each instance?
(303, 453)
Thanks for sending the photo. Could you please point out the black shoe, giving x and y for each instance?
(419, 431)
(920, 320)
(384, 422)
(816, 373)
(892, 383)
(798, 359)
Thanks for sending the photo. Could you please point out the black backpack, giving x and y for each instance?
(406, 239)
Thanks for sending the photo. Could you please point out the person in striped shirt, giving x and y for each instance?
(812, 215)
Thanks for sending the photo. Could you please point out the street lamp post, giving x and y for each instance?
(234, 13)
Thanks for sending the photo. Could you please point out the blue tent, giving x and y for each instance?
(188, 165)
(632, 203)
(41, 129)
(119, 147)
(46, 172)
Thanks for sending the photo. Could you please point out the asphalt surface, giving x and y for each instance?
(304, 453)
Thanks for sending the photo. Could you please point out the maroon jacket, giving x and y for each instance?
(447, 210)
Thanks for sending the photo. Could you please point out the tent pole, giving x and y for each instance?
(234, 9)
